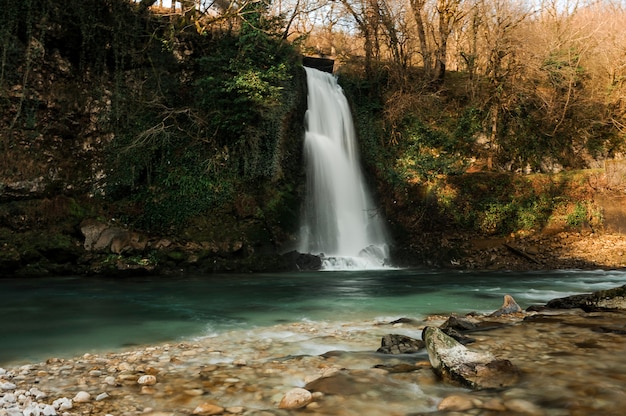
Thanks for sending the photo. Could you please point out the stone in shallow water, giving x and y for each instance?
(455, 363)
(296, 398)
(610, 299)
(400, 344)
(458, 324)
(147, 380)
(336, 383)
(523, 407)
(456, 402)
(208, 408)
(508, 307)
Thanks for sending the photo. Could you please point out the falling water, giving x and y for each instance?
(339, 221)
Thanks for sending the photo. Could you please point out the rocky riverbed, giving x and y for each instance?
(571, 362)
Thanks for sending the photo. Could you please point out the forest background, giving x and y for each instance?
(180, 128)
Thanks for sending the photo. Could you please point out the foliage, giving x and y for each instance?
(578, 216)
(245, 89)
(197, 140)
(428, 152)
(499, 204)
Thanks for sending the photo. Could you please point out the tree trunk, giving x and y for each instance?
(417, 6)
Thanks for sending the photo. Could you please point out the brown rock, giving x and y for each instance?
(508, 307)
(456, 403)
(208, 408)
(296, 398)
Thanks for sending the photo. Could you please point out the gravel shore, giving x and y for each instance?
(572, 363)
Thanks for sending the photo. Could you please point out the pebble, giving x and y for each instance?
(62, 404)
(82, 397)
(102, 396)
(147, 380)
(208, 409)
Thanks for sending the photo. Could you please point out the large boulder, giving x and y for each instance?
(454, 363)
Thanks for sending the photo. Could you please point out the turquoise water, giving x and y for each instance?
(61, 317)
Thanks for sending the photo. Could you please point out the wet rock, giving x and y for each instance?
(398, 368)
(454, 326)
(522, 406)
(610, 299)
(302, 261)
(463, 339)
(402, 321)
(457, 403)
(296, 398)
(337, 382)
(400, 344)
(494, 404)
(454, 363)
(459, 324)
(508, 307)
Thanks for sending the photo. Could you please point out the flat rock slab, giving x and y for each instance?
(456, 364)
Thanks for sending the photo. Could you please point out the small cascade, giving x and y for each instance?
(340, 223)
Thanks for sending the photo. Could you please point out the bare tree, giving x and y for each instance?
(450, 13)
(419, 10)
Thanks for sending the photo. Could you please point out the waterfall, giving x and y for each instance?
(340, 222)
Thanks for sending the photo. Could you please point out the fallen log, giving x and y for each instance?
(521, 253)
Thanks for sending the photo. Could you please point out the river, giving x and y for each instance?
(63, 317)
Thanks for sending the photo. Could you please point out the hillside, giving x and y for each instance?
(133, 142)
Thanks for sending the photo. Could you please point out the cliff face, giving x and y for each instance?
(51, 126)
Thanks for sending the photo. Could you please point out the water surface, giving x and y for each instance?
(67, 316)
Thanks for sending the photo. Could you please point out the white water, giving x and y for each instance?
(340, 221)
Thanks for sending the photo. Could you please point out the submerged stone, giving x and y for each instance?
(454, 363)
(207, 409)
